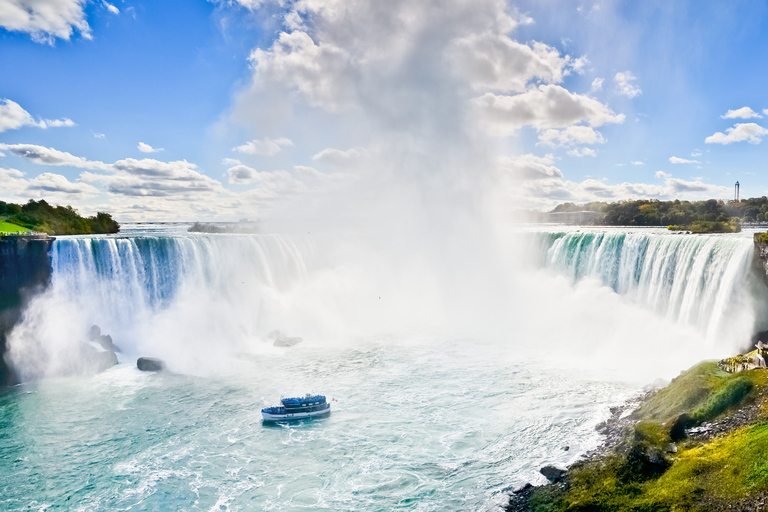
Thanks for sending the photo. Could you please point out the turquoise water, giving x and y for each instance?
(419, 425)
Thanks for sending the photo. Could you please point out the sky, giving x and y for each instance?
(229, 109)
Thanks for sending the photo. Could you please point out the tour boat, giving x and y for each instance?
(298, 408)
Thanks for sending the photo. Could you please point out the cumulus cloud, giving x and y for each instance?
(624, 83)
(597, 84)
(45, 20)
(751, 132)
(741, 113)
(529, 167)
(548, 106)
(662, 175)
(571, 136)
(13, 116)
(264, 147)
(240, 173)
(50, 182)
(49, 156)
(146, 148)
(339, 158)
(678, 160)
(580, 152)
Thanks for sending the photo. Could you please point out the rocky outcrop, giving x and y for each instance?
(25, 269)
(150, 364)
(748, 361)
(281, 340)
(760, 258)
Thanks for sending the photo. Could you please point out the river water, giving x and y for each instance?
(424, 417)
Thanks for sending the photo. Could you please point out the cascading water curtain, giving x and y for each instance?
(700, 281)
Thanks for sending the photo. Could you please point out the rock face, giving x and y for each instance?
(748, 361)
(25, 269)
(150, 364)
(553, 474)
(281, 340)
(760, 260)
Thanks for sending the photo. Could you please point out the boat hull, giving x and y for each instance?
(293, 416)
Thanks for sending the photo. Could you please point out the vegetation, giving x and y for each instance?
(652, 212)
(732, 225)
(643, 473)
(54, 220)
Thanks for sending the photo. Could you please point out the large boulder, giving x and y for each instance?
(553, 474)
(281, 340)
(150, 364)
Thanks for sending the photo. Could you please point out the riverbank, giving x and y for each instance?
(697, 444)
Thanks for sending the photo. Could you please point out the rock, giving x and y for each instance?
(566, 448)
(150, 364)
(553, 474)
(527, 487)
(644, 462)
(679, 426)
(671, 448)
(281, 340)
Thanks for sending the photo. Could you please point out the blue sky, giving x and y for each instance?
(248, 108)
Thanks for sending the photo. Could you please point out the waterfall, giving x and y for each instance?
(164, 296)
(701, 281)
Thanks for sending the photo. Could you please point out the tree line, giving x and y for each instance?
(653, 212)
(56, 220)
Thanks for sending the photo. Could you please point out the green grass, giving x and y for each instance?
(9, 227)
(761, 238)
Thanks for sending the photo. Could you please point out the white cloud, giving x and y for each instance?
(580, 152)
(529, 167)
(339, 158)
(548, 106)
(13, 116)
(637, 162)
(56, 123)
(624, 83)
(50, 182)
(146, 148)
(597, 84)
(111, 8)
(678, 160)
(230, 161)
(98, 135)
(241, 174)
(663, 175)
(741, 113)
(264, 147)
(45, 20)
(751, 132)
(49, 156)
(571, 136)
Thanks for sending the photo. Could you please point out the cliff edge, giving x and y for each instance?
(25, 269)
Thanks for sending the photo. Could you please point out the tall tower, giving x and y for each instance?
(737, 191)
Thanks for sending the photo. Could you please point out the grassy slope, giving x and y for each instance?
(702, 476)
(9, 227)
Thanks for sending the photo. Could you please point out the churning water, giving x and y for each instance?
(427, 418)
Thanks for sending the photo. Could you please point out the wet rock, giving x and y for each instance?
(281, 340)
(553, 474)
(150, 364)
(105, 340)
(566, 448)
(527, 487)
(644, 462)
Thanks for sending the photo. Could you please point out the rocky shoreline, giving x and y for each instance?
(695, 445)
